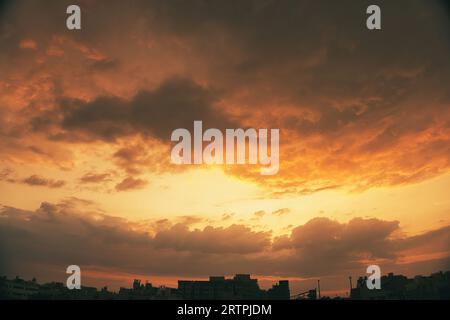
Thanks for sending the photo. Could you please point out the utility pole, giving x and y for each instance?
(318, 287)
(351, 285)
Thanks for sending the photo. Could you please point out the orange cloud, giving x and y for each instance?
(130, 183)
(28, 44)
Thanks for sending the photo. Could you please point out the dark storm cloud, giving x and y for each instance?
(234, 239)
(3, 6)
(294, 47)
(440, 239)
(320, 247)
(277, 33)
(359, 102)
(322, 236)
(175, 104)
(105, 65)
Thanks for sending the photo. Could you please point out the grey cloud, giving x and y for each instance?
(105, 65)
(323, 244)
(234, 239)
(59, 234)
(315, 57)
(175, 104)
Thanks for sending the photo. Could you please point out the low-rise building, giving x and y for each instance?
(435, 286)
(241, 286)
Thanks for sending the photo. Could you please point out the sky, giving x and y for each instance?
(86, 118)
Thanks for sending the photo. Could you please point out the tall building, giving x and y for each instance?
(279, 291)
(241, 286)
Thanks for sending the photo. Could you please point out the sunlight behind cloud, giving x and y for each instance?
(197, 191)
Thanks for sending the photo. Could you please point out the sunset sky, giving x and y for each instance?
(86, 118)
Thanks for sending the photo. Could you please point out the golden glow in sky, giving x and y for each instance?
(86, 119)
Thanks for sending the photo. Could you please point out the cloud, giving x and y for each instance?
(130, 183)
(33, 180)
(259, 214)
(105, 65)
(136, 157)
(281, 212)
(233, 239)
(356, 109)
(320, 247)
(95, 177)
(36, 180)
(176, 103)
(322, 236)
(227, 216)
(28, 44)
(5, 173)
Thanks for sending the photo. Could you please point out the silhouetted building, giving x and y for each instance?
(17, 288)
(58, 291)
(147, 292)
(435, 286)
(138, 291)
(279, 291)
(241, 286)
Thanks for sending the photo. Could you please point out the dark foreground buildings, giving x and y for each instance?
(240, 286)
(19, 289)
(435, 286)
